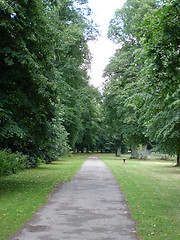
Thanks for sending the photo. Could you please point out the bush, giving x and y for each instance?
(12, 162)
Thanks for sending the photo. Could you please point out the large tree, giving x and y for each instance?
(121, 85)
(122, 73)
(43, 55)
(160, 76)
(153, 28)
(123, 26)
(87, 106)
(72, 61)
(27, 91)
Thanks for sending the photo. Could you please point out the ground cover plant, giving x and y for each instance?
(152, 192)
(23, 193)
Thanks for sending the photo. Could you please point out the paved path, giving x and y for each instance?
(90, 207)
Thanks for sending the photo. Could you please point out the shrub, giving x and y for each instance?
(12, 162)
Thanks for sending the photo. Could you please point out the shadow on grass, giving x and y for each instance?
(27, 179)
(10, 186)
(172, 170)
(35, 178)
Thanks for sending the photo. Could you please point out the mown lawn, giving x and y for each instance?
(153, 194)
(23, 193)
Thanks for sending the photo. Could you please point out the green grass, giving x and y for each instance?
(153, 195)
(23, 193)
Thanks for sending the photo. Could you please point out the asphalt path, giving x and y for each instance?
(90, 207)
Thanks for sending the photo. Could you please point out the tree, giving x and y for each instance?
(122, 73)
(121, 85)
(28, 94)
(160, 76)
(123, 27)
(44, 54)
(87, 106)
(72, 61)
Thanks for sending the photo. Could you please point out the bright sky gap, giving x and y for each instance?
(102, 49)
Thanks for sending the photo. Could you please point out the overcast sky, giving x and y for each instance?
(103, 49)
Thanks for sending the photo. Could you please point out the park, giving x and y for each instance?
(57, 130)
(151, 189)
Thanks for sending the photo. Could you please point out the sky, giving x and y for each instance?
(103, 49)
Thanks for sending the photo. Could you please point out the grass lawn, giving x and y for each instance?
(152, 190)
(23, 193)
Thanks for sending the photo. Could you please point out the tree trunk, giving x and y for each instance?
(118, 152)
(134, 153)
(178, 160)
(143, 154)
(75, 150)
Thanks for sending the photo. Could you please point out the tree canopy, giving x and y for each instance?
(142, 78)
(160, 76)
(47, 105)
(44, 62)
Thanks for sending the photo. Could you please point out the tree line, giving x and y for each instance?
(142, 88)
(47, 105)
(45, 95)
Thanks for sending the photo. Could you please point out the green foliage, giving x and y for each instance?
(44, 55)
(72, 60)
(122, 114)
(28, 93)
(160, 76)
(12, 162)
(122, 74)
(86, 108)
(122, 27)
(142, 93)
